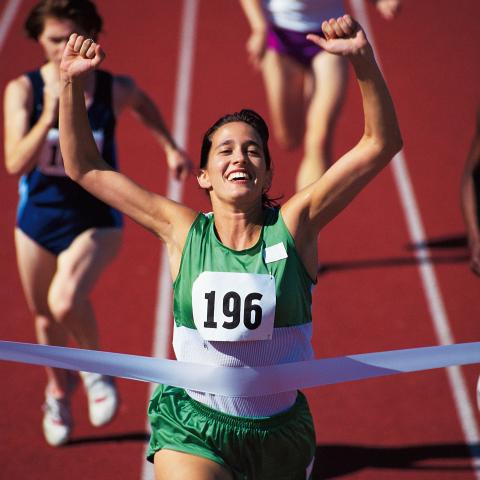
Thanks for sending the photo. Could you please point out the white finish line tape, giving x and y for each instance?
(244, 381)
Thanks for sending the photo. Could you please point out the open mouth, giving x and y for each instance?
(238, 176)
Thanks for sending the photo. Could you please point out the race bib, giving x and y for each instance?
(233, 307)
(50, 161)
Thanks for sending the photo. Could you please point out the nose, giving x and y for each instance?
(239, 156)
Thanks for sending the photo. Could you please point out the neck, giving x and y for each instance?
(237, 229)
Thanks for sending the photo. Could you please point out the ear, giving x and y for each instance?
(203, 179)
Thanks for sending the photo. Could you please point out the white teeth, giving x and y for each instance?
(238, 176)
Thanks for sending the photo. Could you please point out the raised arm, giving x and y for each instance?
(83, 163)
(127, 94)
(312, 208)
(470, 196)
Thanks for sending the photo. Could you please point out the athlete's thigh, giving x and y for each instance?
(330, 77)
(80, 265)
(36, 266)
(284, 82)
(173, 465)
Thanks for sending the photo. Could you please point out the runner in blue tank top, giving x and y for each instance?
(242, 274)
(64, 236)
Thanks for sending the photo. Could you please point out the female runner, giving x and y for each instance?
(242, 274)
(64, 236)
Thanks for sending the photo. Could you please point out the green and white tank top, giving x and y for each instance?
(242, 308)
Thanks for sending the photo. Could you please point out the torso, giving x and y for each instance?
(50, 203)
(242, 308)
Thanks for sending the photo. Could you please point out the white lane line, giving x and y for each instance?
(6, 20)
(163, 322)
(438, 313)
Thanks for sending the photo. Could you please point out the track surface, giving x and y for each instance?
(370, 298)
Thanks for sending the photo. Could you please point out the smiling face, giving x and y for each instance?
(236, 171)
(55, 35)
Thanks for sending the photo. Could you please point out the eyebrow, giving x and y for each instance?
(59, 37)
(248, 143)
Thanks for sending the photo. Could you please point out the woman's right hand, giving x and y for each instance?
(80, 57)
(256, 46)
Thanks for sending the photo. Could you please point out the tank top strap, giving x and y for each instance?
(37, 82)
(104, 88)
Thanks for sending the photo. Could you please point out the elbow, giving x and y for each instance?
(71, 169)
(392, 143)
(390, 146)
(13, 168)
(73, 173)
(76, 165)
(393, 148)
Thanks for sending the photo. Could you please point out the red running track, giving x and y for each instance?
(370, 298)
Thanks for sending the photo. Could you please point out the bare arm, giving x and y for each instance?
(469, 200)
(256, 43)
(83, 163)
(23, 144)
(127, 94)
(308, 211)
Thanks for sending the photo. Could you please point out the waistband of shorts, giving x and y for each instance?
(277, 29)
(259, 423)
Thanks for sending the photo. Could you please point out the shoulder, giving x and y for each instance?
(275, 223)
(123, 83)
(21, 84)
(202, 220)
(124, 91)
(294, 211)
(199, 228)
(19, 90)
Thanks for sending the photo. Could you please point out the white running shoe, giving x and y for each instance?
(57, 420)
(102, 397)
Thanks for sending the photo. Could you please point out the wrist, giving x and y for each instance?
(47, 119)
(169, 146)
(363, 61)
(363, 55)
(64, 76)
(67, 79)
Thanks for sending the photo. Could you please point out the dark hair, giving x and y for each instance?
(82, 12)
(252, 118)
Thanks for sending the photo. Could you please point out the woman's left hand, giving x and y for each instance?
(256, 46)
(343, 36)
(80, 57)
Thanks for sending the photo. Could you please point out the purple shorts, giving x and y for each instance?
(292, 43)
